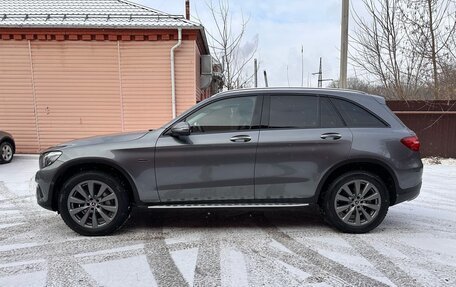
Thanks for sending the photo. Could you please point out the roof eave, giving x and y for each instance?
(203, 36)
(198, 27)
(100, 26)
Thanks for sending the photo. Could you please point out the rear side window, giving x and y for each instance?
(357, 117)
(395, 116)
(328, 115)
(294, 112)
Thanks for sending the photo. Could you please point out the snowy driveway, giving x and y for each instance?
(415, 245)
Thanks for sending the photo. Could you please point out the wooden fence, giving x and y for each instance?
(433, 121)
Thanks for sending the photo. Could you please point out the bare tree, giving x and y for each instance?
(369, 87)
(379, 46)
(431, 30)
(229, 47)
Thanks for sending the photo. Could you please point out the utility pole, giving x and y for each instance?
(344, 45)
(302, 66)
(288, 78)
(266, 79)
(255, 62)
(320, 76)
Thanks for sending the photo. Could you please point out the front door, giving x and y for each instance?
(303, 137)
(216, 161)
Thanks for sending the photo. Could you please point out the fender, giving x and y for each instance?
(361, 160)
(93, 161)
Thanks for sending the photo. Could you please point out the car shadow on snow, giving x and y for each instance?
(305, 217)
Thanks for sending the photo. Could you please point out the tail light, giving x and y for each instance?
(412, 143)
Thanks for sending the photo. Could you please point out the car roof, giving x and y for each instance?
(344, 93)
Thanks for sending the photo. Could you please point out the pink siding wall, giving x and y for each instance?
(17, 113)
(146, 82)
(185, 76)
(76, 89)
(198, 72)
(86, 88)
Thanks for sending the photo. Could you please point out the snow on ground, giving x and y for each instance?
(439, 160)
(415, 245)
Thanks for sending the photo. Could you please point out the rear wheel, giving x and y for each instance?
(6, 152)
(356, 202)
(94, 203)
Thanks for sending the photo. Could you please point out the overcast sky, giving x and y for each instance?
(281, 27)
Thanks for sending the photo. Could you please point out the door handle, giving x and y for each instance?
(333, 136)
(241, 138)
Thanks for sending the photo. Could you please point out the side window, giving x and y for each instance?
(294, 112)
(356, 116)
(225, 115)
(328, 115)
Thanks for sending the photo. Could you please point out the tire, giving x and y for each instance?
(6, 152)
(356, 215)
(77, 204)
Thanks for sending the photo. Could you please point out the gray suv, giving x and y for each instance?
(342, 150)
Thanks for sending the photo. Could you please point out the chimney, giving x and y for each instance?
(187, 9)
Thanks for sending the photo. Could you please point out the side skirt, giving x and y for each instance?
(229, 205)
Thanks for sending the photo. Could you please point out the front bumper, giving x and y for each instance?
(45, 183)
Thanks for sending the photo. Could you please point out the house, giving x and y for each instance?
(72, 69)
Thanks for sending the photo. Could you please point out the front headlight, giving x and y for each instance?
(49, 158)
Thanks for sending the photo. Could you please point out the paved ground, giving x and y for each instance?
(415, 246)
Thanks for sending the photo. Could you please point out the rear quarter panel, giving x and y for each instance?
(384, 145)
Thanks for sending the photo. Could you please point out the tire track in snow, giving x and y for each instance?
(61, 270)
(348, 275)
(32, 217)
(208, 270)
(380, 262)
(256, 247)
(159, 257)
(66, 271)
(267, 257)
(416, 257)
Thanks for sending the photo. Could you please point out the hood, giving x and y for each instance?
(115, 138)
(5, 134)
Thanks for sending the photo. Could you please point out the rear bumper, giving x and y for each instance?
(409, 179)
(408, 193)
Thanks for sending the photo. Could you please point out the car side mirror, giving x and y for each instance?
(181, 129)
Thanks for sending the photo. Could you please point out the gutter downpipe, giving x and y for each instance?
(173, 78)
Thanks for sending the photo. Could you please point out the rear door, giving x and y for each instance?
(302, 136)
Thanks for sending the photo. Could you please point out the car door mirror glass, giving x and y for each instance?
(181, 129)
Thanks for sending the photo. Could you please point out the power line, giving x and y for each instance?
(320, 76)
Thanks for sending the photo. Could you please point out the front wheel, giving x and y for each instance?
(94, 203)
(356, 202)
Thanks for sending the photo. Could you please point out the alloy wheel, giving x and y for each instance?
(7, 152)
(92, 204)
(357, 202)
